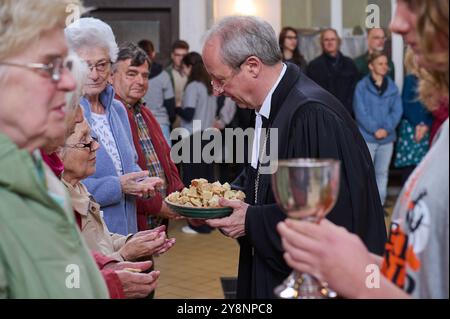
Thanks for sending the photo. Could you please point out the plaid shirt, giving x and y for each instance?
(146, 209)
(153, 165)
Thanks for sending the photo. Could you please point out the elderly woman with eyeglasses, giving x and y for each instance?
(79, 158)
(38, 235)
(118, 180)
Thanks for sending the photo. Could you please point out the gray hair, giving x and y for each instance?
(245, 36)
(91, 32)
(133, 52)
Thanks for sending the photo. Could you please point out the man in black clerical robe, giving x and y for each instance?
(311, 123)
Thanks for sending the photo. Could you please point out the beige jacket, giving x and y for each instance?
(93, 227)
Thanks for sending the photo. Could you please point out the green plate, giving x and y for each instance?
(198, 212)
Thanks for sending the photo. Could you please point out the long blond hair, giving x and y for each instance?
(432, 29)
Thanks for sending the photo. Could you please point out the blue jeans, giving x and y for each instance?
(381, 156)
(166, 132)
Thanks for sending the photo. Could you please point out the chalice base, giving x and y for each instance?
(303, 286)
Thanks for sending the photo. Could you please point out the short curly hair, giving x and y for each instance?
(133, 52)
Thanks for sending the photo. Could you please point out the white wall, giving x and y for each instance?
(269, 10)
(296, 13)
(397, 52)
(354, 13)
(194, 16)
(193, 22)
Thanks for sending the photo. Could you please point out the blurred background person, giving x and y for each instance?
(37, 222)
(160, 98)
(378, 110)
(225, 118)
(376, 40)
(230, 116)
(333, 71)
(414, 130)
(199, 105)
(440, 115)
(288, 41)
(118, 180)
(179, 50)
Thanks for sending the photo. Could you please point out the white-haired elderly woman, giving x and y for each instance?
(118, 179)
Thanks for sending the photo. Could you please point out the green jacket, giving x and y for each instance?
(363, 66)
(41, 249)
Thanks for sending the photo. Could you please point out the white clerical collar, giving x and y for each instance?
(266, 106)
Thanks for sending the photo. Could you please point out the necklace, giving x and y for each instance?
(258, 172)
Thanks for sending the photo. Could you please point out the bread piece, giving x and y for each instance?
(196, 202)
(240, 195)
(198, 182)
(203, 194)
(214, 201)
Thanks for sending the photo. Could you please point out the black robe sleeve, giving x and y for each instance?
(322, 134)
(316, 132)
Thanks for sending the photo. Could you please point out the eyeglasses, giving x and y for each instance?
(222, 83)
(379, 38)
(89, 145)
(99, 66)
(54, 69)
(220, 88)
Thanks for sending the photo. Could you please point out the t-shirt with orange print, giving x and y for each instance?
(417, 252)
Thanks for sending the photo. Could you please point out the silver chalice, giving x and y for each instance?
(306, 189)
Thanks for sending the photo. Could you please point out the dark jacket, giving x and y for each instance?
(336, 75)
(311, 123)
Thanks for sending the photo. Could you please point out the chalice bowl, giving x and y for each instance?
(306, 189)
